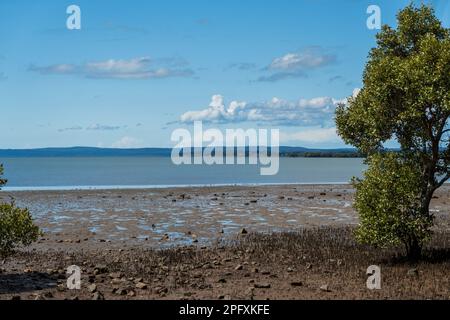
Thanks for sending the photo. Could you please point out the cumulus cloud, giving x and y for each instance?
(136, 68)
(303, 112)
(297, 64)
(126, 142)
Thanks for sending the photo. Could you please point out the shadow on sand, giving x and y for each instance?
(26, 282)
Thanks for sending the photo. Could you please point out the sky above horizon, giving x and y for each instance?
(138, 70)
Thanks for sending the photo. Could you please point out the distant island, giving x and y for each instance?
(288, 152)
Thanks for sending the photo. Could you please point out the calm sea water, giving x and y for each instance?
(141, 172)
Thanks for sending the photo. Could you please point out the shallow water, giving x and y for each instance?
(144, 172)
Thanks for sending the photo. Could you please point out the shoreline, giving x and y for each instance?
(166, 217)
(187, 243)
(162, 187)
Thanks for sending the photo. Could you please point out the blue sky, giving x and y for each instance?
(137, 70)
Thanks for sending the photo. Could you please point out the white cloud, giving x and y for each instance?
(136, 68)
(297, 64)
(318, 135)
(303, 112)
(127, 142)
(299, 60)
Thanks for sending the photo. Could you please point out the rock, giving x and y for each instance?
(98, 296)
(239, 267)
(290, 270)
(131, 293)
(165, 237)
(324, 288)
(413, 272)
(222, 280)
(121, 292)
(141, 285)
(16, 298)
(116, 275)
(262, 285)
(100, 269)
(255, 270)
(92, 288)
(243, 231)
(296, 283)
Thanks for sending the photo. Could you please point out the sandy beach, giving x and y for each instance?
(297, 244)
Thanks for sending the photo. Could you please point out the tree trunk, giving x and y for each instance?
(414, 249)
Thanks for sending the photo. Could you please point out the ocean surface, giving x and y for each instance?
(59, 173)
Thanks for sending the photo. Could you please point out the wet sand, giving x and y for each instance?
(171, 217)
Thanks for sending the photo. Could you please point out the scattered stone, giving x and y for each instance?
(98, 296)
(116, 275)
(239, 267)
(120, 292)
(100, 269)
(131, 293)
(141, 285)
(165, 237)
(324, 288)
(413, 272)
(92, 288)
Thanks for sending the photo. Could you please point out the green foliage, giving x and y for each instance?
(2, 181)
(405, 97)
(388, 203)
(16, 226)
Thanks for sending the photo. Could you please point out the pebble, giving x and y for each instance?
(92, 288)
(325, 288)
(141, 285)
(98, 296)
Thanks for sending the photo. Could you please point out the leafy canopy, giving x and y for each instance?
(16, 226)
(405, 98)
